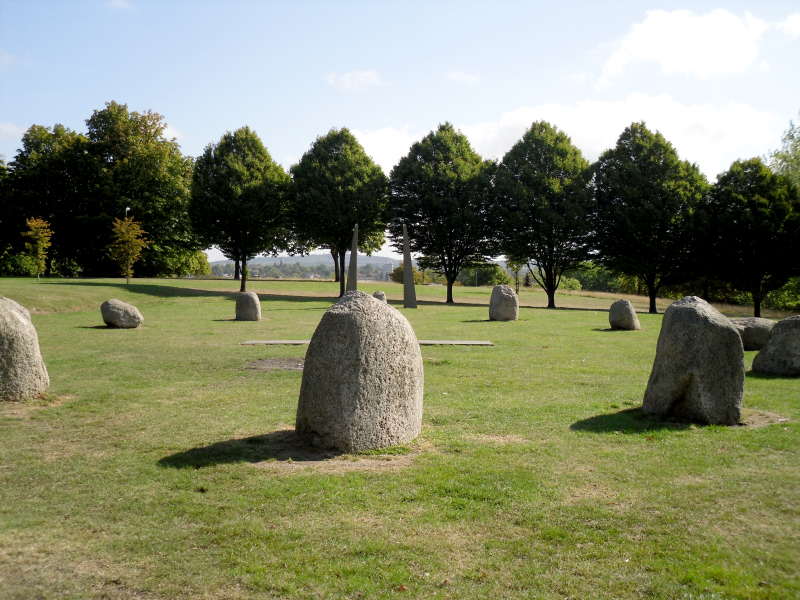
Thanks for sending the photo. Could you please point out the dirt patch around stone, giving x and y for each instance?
(276, 364)
(24, 408)
(760, 418)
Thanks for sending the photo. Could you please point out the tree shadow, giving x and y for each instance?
(755, 375)
(281, 445)
(629, 420)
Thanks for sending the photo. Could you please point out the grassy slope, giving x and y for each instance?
(532, 478)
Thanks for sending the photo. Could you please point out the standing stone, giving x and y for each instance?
(248, 307)
(504, 304)
(781, 355)
(698, 372)
(121, 315)
(362, 378)
(22, 371)
(352, 272)
(409, 292)
(622, 315)
(379, 295)
(754, 331)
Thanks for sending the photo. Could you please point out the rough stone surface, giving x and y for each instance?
(379, 295)
(698, 372)
(504, 304)
(122, 315)
(362, 379)
(754, 331)
(781, 355)
(22, 371)
(622, 315)
(248, 307)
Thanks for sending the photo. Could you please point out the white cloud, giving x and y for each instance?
(119, 4)
(682, 42)
(171, 132)
(790, 25)
(463, 77)
(711, 135)
(10, 131)
(354, 80)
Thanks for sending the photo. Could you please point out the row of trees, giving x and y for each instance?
(638, 210)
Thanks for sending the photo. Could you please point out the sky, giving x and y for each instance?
(721, 81)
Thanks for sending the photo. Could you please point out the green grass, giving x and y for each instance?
(159, 466)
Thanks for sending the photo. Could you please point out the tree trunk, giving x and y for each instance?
(756, 303)
(243, 286)
(652, 292)
(336, 275)
(236, 269)
(450, 281)
(341, 273)
(551, 297)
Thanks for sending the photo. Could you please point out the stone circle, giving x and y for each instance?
(248, 307)
(379, 295)
(698, 371)
(781, 355)
(622, 315)
(504, 304)
(754, 331)
(121, 315)
(23, 374)
(362, 378)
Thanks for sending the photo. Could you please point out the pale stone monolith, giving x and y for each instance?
(622, 315)
(362, 378)
(409, 292)
(504, 304)
(352, 271)
(121, 315)
(781, 355)
(379, 295)
(754, 331)
(698, 371)
(23, 374)
(248, 307)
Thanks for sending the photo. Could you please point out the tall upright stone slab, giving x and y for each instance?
(22, 371)
(409, 292)
(698, 371)
(362, 378)
(352, 271)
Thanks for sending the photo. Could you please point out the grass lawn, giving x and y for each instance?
(161, 466)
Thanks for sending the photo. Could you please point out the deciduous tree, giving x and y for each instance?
(38, 237)
(786, 161)
(127, 243)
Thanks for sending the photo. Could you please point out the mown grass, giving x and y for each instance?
(159, 466)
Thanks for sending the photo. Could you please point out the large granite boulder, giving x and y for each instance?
(22, 371)
(504, 304)
(362, 378)
(698, 372)
(781, 355)
(379, 295)
(754, 331)
(622, 315)
(248, 307)
(122, 315)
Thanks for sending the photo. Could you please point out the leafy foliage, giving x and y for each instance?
(240, 199)
(543, 205)
(127, 244)
(440, 190)
(491, 274)
(786, 161)
(644, 200)
(38, 235)
(338, 186)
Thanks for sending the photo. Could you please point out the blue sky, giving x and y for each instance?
(720, 81)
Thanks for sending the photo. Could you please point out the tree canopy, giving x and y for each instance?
(240, 199)
(786, 161)
(337, 186)
(644, 200)
(754, 228)
(441, 191)
(543, 205)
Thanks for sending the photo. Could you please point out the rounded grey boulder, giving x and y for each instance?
(379, 295)
(122, 315)
(698, 371)
(23, 374)
(362, 378)
(781, 355)
(504, 304)
(754, 331)
(622, 315)
(248, 307)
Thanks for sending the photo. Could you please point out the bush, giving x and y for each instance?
(397, 275)
(18, 265)
(569, 284)
(786, 297)
(490, 274)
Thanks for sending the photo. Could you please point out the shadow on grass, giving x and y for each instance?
(609, 330)
(754, 375)
(630, 420)
(94, 327)
(281, 445)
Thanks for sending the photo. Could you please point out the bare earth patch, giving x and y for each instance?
(760, 418)
(276, 364)
(24, 408)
